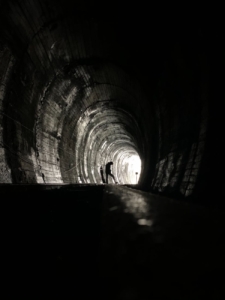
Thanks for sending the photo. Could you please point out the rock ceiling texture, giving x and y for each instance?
(82, 84)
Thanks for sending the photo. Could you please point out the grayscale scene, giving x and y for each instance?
(111, 150)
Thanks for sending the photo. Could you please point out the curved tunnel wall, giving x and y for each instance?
(68, 105)
(64, 99)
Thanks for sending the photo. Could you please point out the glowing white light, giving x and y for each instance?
(134, 168)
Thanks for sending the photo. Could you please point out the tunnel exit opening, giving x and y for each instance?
(132, 167)
(128, 167)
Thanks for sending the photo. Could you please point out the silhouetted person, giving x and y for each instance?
(108, 171)
(102, 175)
(43, 177)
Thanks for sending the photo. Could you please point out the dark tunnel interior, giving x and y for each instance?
(80, 87)
(83, 83)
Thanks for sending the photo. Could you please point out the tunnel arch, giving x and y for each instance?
(61, 70)
(108, 134)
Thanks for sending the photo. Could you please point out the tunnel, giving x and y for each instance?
(81, 89)
(84, 83)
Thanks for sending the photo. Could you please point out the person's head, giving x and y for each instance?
(111, 163)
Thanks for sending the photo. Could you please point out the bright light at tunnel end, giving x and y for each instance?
(132, 166)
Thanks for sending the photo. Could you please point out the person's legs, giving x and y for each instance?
(107, 177)
(112, 177)
(102, 175)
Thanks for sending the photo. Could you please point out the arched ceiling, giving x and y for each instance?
(73, 102)
(82, 83)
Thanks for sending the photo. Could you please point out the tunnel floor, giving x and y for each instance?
(109, 242)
